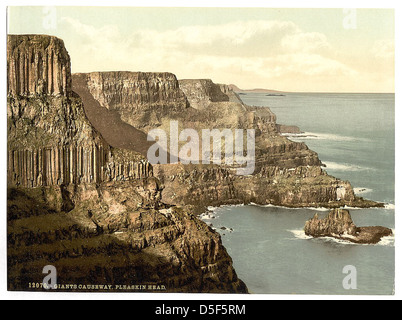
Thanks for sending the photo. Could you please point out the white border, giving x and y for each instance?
(182, 3)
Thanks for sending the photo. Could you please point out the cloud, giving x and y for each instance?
(249, 53)
(384, 49)
(241, 38)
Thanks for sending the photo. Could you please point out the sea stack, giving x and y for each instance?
(339, 224)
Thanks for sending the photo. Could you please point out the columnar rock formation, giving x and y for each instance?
(50, 140)
(37, 65)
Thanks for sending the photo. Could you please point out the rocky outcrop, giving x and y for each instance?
(304, 186)
(339, 224)
(117, 234)
(201, 92)
(288, 129)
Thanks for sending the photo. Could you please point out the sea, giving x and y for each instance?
(354, 136)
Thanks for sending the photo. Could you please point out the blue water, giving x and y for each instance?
(353, 135)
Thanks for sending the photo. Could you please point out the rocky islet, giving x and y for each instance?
(338, 224)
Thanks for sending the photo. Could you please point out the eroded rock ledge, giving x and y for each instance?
(339, 224)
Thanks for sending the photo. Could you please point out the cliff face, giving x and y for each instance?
(140, 98)
(92, 210)
(286, 172)
(211, 185)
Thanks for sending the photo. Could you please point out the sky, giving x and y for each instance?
(296, 50)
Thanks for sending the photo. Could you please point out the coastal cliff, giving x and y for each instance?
(92, 210)
(286, 173)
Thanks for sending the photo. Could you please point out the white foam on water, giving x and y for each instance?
(388, 241)
(232, 205)
(359, 191)
(385, 241)
(343, 166)
(300, 234)
(209, 215)
(288, 208)
(320, 136)
(389, 206)
(318, 209)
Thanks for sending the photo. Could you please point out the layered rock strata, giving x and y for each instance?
(92, 210)
(117, 234)
(339, 224)
(286, 173)
(140, 98)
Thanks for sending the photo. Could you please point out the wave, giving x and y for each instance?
(343, 166)
(388, 241)
(299, 234)
(385, 241)
(209, 215)
(288, 208)
(210, 208)
(359, 191)
(320, 136)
